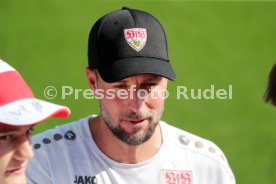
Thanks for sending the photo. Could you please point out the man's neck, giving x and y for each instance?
(119, 151)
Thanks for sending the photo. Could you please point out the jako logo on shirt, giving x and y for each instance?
(176, 176)
(85, 180)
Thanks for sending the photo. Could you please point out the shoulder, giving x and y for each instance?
(202, 148)
(61, 135)
(53, 148)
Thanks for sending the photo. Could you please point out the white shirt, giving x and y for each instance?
(69, 155)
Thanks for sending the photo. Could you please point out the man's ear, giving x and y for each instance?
(92, 78)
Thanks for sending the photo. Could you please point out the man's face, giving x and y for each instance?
(15, 151)
(133, 116)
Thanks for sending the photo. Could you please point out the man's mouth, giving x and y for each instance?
(135, 121)
(16, 170)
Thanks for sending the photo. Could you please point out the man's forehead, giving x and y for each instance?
(142, 77)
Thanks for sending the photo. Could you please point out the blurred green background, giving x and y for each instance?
(210, 43)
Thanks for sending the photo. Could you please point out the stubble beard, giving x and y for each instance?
(137, 136)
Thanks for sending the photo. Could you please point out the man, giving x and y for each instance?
(127, 143)
(19, 112)
(270, 94)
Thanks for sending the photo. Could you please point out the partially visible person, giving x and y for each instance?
(270, 94)
(19, 112)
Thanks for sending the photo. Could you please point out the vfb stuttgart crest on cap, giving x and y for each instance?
(136, 38)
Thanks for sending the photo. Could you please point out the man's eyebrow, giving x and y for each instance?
(124, 81)
(153, 78)
(7, 129)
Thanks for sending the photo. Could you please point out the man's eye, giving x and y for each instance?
(5, 137)
(121, 86)
(29, 132)
(148, 85)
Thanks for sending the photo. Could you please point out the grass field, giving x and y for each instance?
(210, 43)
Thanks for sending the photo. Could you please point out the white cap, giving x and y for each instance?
(18, 106)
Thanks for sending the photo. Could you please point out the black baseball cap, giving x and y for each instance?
(128, 42)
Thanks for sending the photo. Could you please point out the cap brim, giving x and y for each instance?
(30, 111)
(128, 67)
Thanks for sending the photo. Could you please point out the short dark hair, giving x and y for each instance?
(270, 94)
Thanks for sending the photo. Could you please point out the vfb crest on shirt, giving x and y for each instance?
(178, 177)
(136, 38)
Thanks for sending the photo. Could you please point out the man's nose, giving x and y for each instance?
(136, 101)
(24, 149)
